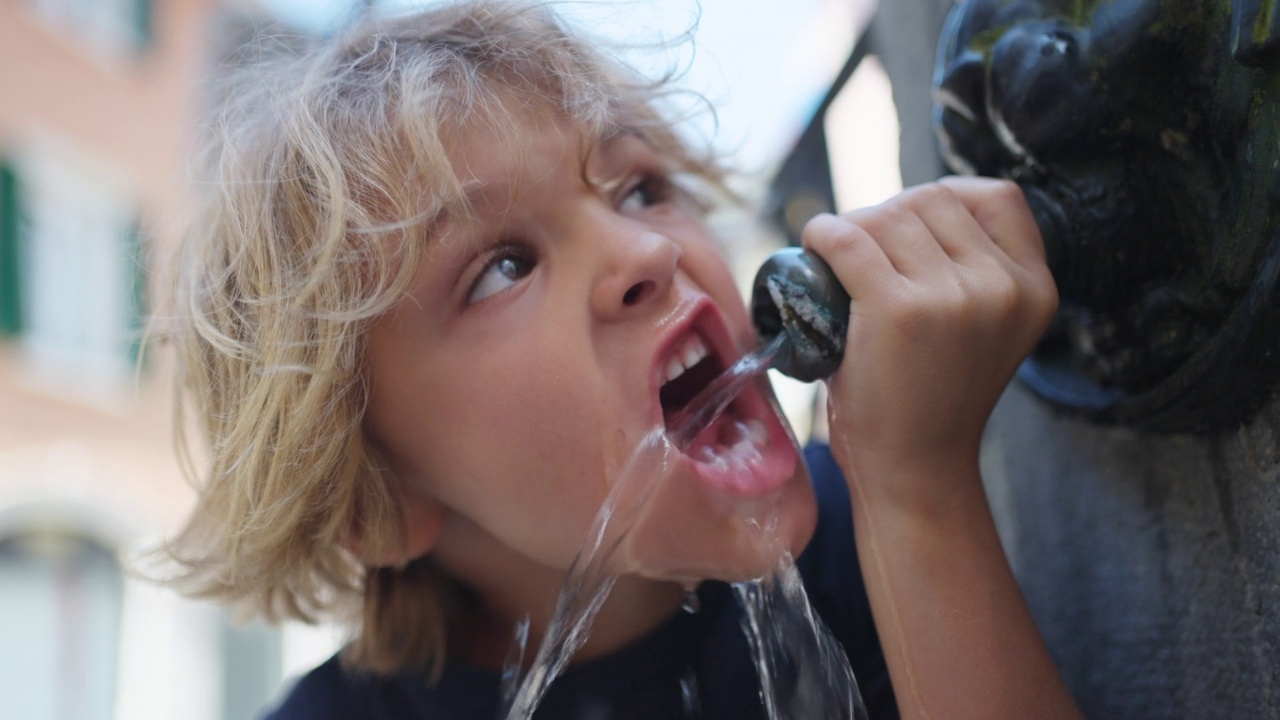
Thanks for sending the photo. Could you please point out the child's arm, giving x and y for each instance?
(950, 292)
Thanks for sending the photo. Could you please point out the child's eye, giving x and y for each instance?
(648, 191)
(506, 268)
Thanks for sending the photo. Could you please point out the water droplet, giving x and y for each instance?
(689, 697)
(513, 664)
(690, 602)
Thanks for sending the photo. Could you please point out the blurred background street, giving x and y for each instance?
(101, 107)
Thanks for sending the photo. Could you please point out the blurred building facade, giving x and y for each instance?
(100, 104)
(100, 101)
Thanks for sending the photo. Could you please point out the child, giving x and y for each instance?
(450, 269)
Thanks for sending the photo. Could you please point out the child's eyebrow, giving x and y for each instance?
(493, 196)
(480, 203)
(614, 166)
(620, 134)
(617, 135)
(486, 193)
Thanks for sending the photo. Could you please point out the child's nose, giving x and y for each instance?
(639, 269)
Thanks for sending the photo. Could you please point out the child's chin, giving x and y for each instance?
(763, 555)
(746, 545)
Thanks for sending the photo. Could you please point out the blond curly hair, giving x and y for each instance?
(319, 177)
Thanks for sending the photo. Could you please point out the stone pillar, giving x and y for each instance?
(1150, 562)
(906, 31)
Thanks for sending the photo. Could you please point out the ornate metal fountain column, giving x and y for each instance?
(1146, 134)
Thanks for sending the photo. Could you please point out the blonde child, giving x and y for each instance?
(451, 267)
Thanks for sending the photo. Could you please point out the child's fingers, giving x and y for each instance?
(1000, 208)
(859, 262)
(953, 227)
(906, 239)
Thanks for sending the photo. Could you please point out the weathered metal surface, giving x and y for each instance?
(1146, 135)
(796, 294)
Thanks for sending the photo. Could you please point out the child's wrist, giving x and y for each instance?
(926, 485)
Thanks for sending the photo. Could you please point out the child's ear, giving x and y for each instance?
(423, 517)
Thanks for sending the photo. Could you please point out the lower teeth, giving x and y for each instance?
(743, 454)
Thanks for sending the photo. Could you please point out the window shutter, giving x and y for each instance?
(10, 256)
(136, 284)
(143, 25)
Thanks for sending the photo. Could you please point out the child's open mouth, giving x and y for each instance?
(745, 451)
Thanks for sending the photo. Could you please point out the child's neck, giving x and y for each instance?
(635, 608)
(511, 587)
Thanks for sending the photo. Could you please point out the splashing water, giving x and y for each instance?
(803, 671)
(588, 581)
(804, 674)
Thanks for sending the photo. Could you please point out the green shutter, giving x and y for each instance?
(10, 256)
(136, 282)
(143, 25)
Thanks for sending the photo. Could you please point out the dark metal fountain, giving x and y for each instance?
(1146, 136)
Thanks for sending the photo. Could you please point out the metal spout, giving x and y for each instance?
(795, 293)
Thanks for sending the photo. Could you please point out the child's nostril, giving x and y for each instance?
(637, 292)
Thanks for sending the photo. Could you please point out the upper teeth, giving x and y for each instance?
(686, 356)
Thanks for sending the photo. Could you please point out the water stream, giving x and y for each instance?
(803, 673)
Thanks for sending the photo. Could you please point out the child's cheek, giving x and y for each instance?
(708, 267)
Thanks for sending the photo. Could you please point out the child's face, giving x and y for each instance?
(514, 382)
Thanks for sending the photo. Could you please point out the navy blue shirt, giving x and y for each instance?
(699, 657)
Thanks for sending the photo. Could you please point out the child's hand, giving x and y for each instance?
(950, 292)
